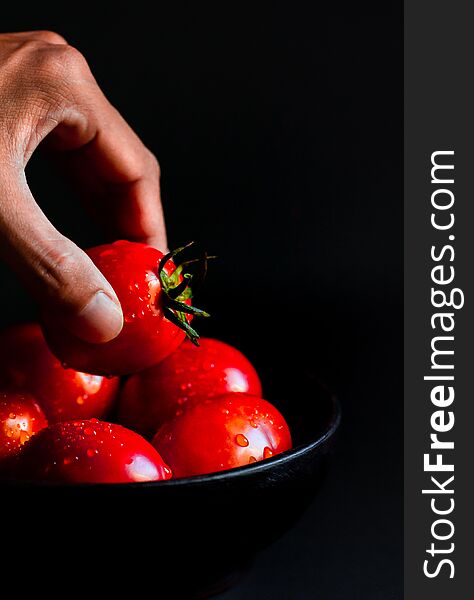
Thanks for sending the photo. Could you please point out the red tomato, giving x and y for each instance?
(90, 451)
(20, 418)
(28, 364)
(154, 321)
(221, 433)
(154, 396)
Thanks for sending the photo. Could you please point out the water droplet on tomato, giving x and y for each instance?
(267, 452)
(80, 400)
(9, 433)
(179, 412)
(129, 461)
(241, 440)
(12, 416)
(253, 424)
(88, 431)
(252, 459)
(130, 317)
(67, 461)
(90, 452)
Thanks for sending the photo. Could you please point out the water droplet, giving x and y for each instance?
(267, 452)
(252, 459)
(80, 400)
(253, 424)
(9, 433)
(88, 431)
(208, 365)
(183, 386)
(179, 412)
(90, 452)
(241, 440)
(12, 416)
(67, 461)
(130, 317)
(129, 461)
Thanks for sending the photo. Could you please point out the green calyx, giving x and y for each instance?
(176, 292)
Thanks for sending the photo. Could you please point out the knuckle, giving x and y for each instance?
(61, 62)
(153, 163)
(50, 37)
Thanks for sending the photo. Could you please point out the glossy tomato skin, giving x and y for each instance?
(20, 418)
(147, 336)
(152, 397)
(221, 433)
(90, 451)
(26, 363)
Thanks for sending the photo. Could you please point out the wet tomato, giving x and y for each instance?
(156, 319)
(220, 433)
(191, 373)
(20, 419)
(26, 363)
(90, 451)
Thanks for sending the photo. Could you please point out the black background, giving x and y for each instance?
(279, 134)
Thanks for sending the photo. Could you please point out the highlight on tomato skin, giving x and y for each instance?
(20, 418)
(156, 320)
(221, 433)
(150, 398)
(89, 451)
(26, 363)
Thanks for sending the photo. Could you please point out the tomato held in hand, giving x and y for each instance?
(221, 433)
(191, 373)
(90, 451)
(20, 418)
(156, 308)
(26, 363)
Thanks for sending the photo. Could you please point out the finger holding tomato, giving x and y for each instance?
(155, 301)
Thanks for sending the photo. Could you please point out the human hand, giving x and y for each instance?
(48, 91)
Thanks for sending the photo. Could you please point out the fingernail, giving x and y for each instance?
(100, 321)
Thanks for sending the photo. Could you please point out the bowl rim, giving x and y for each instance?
(209, 478)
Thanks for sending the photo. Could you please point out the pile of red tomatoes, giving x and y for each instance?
(152, 405)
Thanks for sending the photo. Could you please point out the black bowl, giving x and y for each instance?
(183, 538)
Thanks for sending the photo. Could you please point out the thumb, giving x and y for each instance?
(58, 273)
